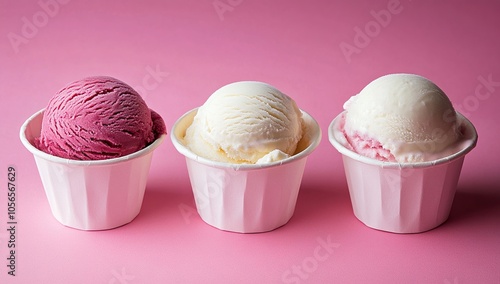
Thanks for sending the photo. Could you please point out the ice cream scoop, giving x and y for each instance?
(401, 118)
(244, 121)
(93, 145)
(244, 163)
(97, 118)
(403, 146)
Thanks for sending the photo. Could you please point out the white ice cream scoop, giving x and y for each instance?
(402, 118)
(243, 122)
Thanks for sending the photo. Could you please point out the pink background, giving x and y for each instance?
(177, 53)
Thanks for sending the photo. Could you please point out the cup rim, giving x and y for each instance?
(472, 141)
(41, 154)
(311, 123)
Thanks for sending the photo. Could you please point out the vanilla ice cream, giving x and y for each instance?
(245, 122)
(401, 118)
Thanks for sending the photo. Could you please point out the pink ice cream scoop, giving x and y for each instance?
(402, 118)
(97, 118)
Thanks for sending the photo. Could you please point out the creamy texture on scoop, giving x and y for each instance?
(97, 118)
(246, 121)
(401, 118)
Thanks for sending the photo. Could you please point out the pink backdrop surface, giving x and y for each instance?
(176, 53)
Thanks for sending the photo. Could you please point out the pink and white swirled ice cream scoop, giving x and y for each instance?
(402, 118)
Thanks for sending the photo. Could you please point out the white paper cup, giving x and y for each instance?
(402, 198)
(91, 195)
(246, 198)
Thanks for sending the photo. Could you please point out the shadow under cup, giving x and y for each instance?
(91, 195)
(246, 198)
(402, 197)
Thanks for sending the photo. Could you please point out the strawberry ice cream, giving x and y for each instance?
(401, 118)
(402, 146)
(97, 118)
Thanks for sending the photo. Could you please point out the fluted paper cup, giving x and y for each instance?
(91, 195)
(402, 198)
(246, 198)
